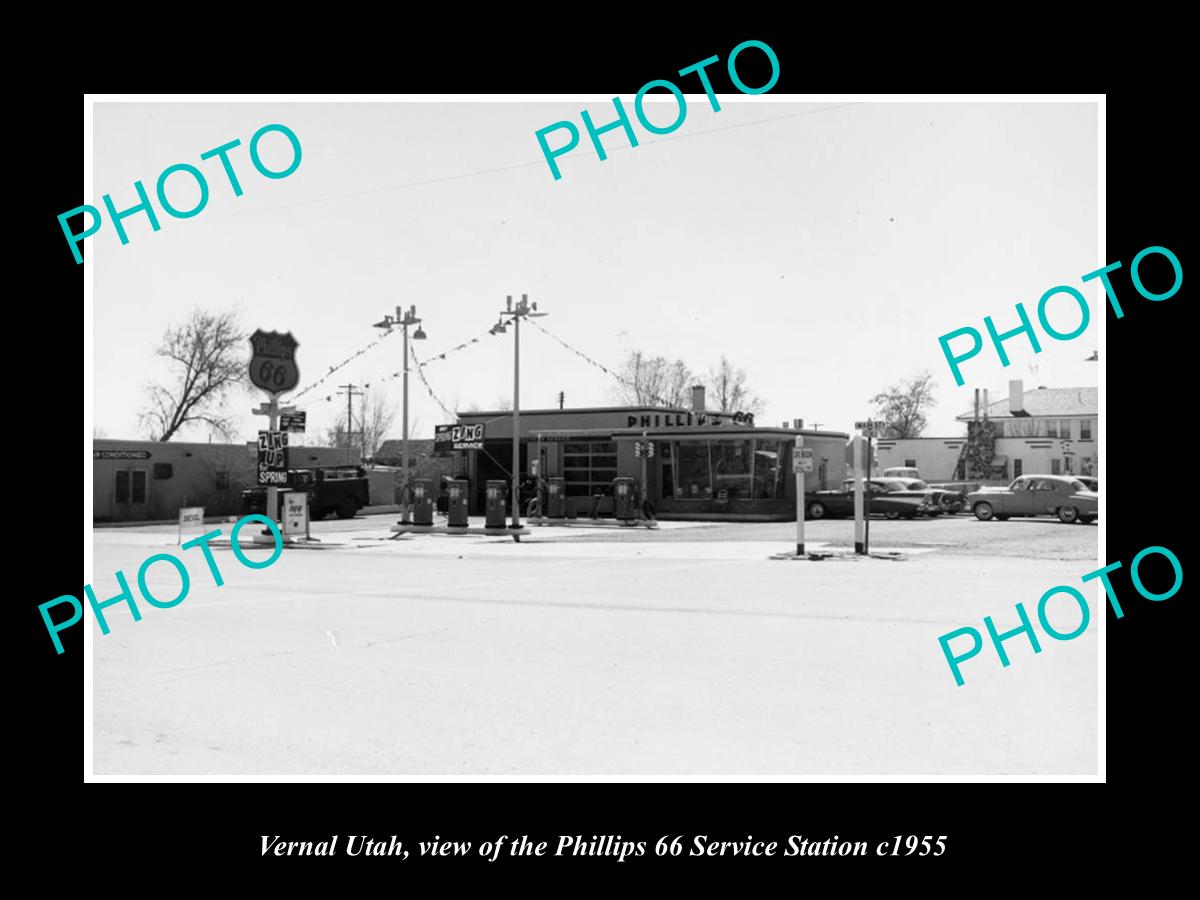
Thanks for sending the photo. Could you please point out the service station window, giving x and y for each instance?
(129, 486)
(727, 468)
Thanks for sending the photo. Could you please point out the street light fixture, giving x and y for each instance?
(522, 310)
(403, 319)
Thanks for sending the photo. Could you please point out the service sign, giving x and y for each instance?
(191, 515)
(459, 437)
(273, 361)
(272, 457)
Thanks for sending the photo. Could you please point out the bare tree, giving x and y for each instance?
(679, 381)
(375, 418)
(902, 406)
(208, 360)
(654, 380)
(504, 404)
(372, 421)
(728, 390)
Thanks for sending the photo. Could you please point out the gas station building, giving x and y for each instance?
(705, 465)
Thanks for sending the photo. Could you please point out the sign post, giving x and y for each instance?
(859, 540)
(868, 429)
(801, 463)
(273, 370)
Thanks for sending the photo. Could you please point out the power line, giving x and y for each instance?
(525, 165)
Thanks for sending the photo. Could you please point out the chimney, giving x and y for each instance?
(985, 404)
(1016, 397)
(698, 398)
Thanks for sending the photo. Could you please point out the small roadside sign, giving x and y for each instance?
(295, 512)
(189, 515)
(869, 427)
(802, 464)
(799, 441)
(293, 421)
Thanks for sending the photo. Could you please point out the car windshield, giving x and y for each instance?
(1079, 486)
(917, 485)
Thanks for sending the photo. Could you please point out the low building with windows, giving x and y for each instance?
(705, 465)
(1043, 431)
(139, 481)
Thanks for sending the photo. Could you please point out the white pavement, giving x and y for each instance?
(435, 655)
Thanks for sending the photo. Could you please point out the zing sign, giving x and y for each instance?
(273, 363)
(466, 437)
(272, 457)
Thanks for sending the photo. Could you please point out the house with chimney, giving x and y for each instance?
(1043, 431)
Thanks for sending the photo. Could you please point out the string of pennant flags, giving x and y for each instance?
(334, 368)
(661, 401)
(425, 381)
(457, 348)
(353, 356)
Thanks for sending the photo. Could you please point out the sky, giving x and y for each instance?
(823, 247)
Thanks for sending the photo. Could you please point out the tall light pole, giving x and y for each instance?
(523, 309)
(404, 318)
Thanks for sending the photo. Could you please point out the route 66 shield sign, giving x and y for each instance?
(273, 361)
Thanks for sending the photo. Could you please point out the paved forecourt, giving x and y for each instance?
(595, 651)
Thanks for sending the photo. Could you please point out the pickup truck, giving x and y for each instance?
(337, 489)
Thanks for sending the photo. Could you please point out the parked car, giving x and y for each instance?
(1037, 495)
(942, 500)
(1092, 484)
(335, 489)
(888, 498)
(900, 472)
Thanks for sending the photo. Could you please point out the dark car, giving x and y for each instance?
(888, 498)
(941, 500)
(1037, 495)
(954, 493)
(337, 489)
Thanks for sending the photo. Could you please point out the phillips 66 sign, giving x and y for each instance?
(273, 363)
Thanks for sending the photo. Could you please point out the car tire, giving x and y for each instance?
(347, 510)
(1068, 515)
(984, 511)
(891, 514)
(317, 514)
(816, 510)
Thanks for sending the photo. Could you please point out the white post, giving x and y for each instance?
(859, 518)
(799, 513)
(797, 456)
(273, 492)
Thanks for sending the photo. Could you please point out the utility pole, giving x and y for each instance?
(351, 393)
(514, 314)
(561, 397)
(404, 318)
